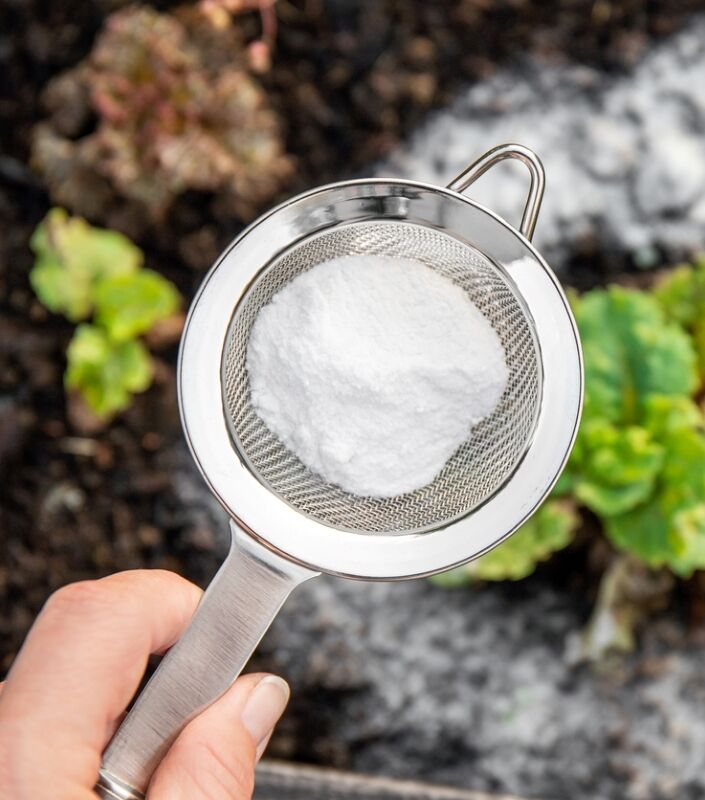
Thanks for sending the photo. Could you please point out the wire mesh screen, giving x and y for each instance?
(481, 464)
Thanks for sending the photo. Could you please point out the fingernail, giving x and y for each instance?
(264, 706)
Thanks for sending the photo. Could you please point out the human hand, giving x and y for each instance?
(75, 674)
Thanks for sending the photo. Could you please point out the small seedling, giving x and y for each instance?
(88, 273)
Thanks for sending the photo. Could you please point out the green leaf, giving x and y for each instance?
(128, 305)
(71, 257)
(644, 532)
(689, 534)
(107, 373)
(668, 529)
(698, 333)
(630, 352)
(550, 529)
(681, 293)
(664, 414)
(619, 467)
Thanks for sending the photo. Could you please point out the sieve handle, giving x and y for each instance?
(536, 172)
(234, 613)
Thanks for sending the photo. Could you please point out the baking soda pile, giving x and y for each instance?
(373, 370)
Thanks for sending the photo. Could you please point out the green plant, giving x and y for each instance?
(105, 372)
(639, 459)
(639, 462)
(681, 293)
(550, 529)
(176, 109)
(83, 272)
(72, 258)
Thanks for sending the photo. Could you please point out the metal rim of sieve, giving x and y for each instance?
(272, 520)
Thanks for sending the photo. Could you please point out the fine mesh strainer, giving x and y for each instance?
(289, 525)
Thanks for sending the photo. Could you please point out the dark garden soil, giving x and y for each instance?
(349, 80)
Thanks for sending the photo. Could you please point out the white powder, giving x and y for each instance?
(373, 371)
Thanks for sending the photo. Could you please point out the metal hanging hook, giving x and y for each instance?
(536, 171)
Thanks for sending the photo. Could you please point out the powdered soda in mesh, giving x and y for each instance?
(373, 370)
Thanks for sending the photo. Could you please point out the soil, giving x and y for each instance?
(477, 688)
(75, 505)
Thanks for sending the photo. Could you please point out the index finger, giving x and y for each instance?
(77, 671)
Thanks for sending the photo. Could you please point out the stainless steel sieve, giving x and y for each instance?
(288, 525)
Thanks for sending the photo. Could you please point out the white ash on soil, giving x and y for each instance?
(624, 155)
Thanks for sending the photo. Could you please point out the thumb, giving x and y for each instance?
(215, 755)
